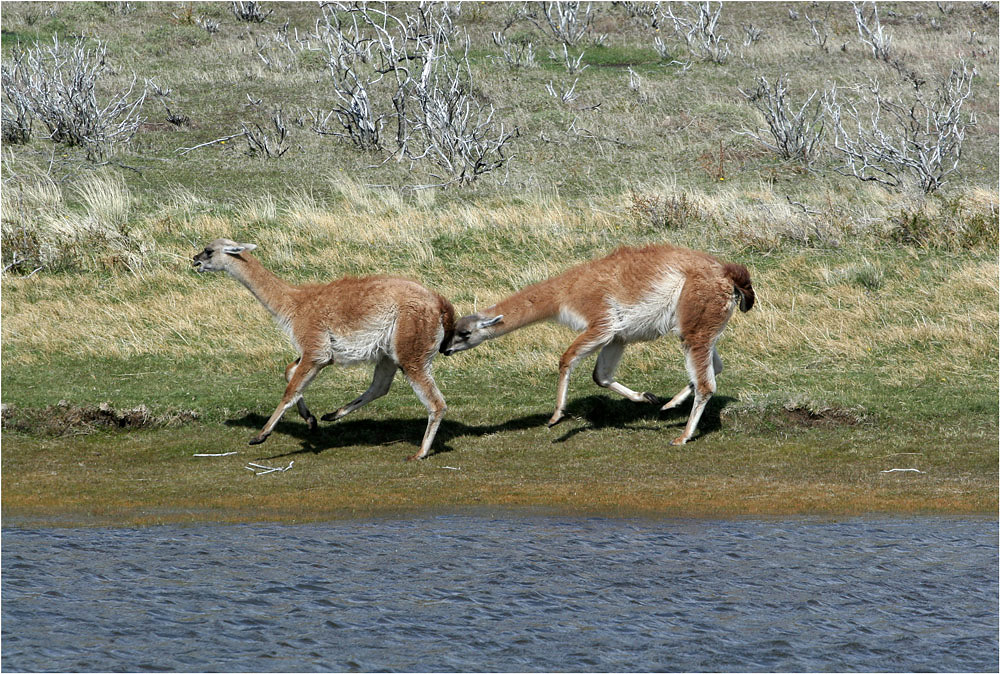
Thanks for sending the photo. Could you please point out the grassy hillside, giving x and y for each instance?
(873, 344)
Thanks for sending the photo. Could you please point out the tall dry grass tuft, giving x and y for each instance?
(106, 198)
(43, 229)
(770, 217)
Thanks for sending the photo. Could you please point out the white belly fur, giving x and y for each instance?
(572, 320)
(654, 315)
(374, 340)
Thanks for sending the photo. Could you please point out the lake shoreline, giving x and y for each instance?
(119, 517)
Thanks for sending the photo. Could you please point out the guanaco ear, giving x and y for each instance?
(239, 248)
(487, 322)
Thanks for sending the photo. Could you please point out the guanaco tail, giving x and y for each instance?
(633, 294)
(393, 322)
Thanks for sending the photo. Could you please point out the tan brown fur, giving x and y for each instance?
(633, 294)
(394, 322)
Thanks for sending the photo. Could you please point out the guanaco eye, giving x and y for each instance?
(464, 334)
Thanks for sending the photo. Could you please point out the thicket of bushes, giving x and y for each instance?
(413, 87)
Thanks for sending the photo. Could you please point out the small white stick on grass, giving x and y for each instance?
(185, 150)
(264, 470)
(222, 454)
(902, 470)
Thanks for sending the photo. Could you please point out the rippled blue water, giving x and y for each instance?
(477, 593)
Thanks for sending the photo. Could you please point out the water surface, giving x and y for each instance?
(505, 593)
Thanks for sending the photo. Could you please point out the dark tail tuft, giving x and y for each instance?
(447, 322)
(740, 277)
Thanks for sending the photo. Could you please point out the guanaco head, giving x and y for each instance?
(218, 254)
(470, 331)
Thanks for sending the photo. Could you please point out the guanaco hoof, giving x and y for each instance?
(652, 398)
(257, 440)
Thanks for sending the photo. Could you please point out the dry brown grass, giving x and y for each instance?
(810, 307)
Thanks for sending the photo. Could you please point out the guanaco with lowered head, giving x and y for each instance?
(395, 322)
(632, 295)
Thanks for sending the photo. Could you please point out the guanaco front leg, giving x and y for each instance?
(293, 393)
(301, 403)
(582, 346)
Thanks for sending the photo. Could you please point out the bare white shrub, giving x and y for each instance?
(275, 50)
(119, 8)
(518, 54)
(566, 22)
(208, 24)
(261, 143)
(270, 143)
(871, 31)
(162, 94)
(15, 113)
(818, 34)
(565, 96)
(250, 12)
(344, 37)
(661, 48)
(403, 68)
(794, 134)
(634, 83)
(897, 143)
(646, 12)
(698, 27)
(58, 84)
(751, 34)
(457, 132)
(573, 65)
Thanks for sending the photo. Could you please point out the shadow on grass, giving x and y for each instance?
(596, 412)
(603, 412)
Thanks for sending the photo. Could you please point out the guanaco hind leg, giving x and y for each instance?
(604, 373)
(679, 398)
(385, 371)
(686, 391)
(700, 363)
(425, 388)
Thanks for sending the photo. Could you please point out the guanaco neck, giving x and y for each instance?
(271, 291)
(535, 303)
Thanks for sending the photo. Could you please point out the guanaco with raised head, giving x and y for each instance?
(394, 322)
(632, 295)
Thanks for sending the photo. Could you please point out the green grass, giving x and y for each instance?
(873, 344)
(794, 428)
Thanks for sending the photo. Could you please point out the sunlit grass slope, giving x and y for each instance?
(872, 347)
